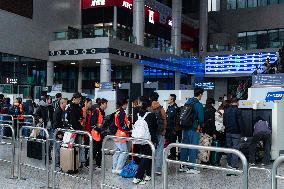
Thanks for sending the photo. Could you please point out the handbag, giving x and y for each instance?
(129, 170)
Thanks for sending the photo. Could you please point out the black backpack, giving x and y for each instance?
(187, 116)
(159, 117)
(109, 127)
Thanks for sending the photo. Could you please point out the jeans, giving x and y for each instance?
(119, 159)
(57, 154)
(189, 137)
(266, 138)
(159, 153)
(233, 141)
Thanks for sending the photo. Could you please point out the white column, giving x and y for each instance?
(114, 24)
(105, 70)
(176, 34)
(138, 33)
(203, 28)
(49, 73)
(80, 78)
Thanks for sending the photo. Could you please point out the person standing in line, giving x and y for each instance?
(58, 122)
(123, 126)
(172, 123)
(232, 122)
(161, 116)
(209, 117)
(97, 119)
(191, 134)
(56, 102)
(144, 168)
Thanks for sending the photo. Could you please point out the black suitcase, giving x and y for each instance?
(34, 150)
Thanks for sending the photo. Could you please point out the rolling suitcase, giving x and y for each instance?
(69, 160)
(34, 150)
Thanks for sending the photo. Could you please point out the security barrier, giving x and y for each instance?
(207, 148)
(46, 141)
(90, 146)
(109, 137)
(274, 175)
(24, 123)
(12, 143)
(260, 169)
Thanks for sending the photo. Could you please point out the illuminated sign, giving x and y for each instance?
(170, 23)
(98, 3)
(238, 63)
(127, 5)
(151, 16)
(274, 96)
(204, 85)
(11, 80)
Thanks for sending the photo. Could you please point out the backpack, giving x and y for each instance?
(109, 127)
(129, 170)
(187, 116)
(159, 117)
(141, 130)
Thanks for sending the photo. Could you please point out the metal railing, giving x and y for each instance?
(207, 148)
(90, 146)
(104, 150)
(46, 141)
(24, 123)
(274, 175)
(260, 169)
(12, 143)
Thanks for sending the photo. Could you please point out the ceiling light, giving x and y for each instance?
(98, 62)
(73, 63)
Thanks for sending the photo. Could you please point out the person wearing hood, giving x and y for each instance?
(44, 113)
(28, 107)
(161, 116)
(191, 134)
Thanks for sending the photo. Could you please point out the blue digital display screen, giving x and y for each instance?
(238, 63)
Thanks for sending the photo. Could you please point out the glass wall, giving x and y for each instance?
(22, 70)
(273, 38)
(238, 4)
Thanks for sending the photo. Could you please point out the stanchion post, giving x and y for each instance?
(13, 163)
(207, 148)
(90, 146)
(276, 163)
(108, 137)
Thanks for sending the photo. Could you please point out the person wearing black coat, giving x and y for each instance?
(144, 167)
(45, 112)
(209, 118)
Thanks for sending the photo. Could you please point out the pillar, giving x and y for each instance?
(49, 74)
(176, 35)
(223, 5)
(105, 70)
(114, 24)
(203, 28)
(138, 33)
(80, 78)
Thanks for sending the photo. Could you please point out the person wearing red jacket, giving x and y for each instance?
(122, 123)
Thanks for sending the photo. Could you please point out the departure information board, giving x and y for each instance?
(238, 63)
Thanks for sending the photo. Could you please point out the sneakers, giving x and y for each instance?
(193, 171)
(98, 167)
(252, 164)
(147, 178)
(138, 181)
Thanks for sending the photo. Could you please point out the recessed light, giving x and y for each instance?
(73, 63)
(98, 62)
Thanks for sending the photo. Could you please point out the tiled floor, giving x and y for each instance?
(206, 180)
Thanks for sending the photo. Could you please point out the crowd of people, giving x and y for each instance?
(224, 126)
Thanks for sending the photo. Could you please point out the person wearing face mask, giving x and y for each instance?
(122, 123)
(97, 117)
